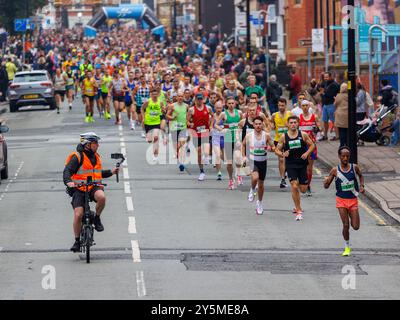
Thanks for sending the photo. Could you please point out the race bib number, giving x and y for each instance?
(306, 128)
(294, 144)
(347, 186)
(201, 129)
(154, 113)
(179, 126)
(282, 130)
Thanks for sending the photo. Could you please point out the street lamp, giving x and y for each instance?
(351, 85)
(264, 14)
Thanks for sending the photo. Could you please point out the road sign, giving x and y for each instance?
(20, 25)
(318, 40)
(305, 42)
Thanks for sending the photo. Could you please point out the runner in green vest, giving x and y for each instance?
(152, 110)
(177, 114)
(231, 119)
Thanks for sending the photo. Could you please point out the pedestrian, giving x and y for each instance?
(388, 94)
(341, 113)
(294, 86)
(3, 82)
(330, 89)
(395, 128)
(347, 190)
(361, 106)
(274, 92)
(11, 69)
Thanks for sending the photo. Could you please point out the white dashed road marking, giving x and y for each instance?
(127, 187)
(141, 287)
(135, 251)
(132, 225)
(129, 203)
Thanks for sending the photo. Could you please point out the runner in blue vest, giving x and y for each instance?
(347, 190)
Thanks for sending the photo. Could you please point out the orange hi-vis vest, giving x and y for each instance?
(86, 170)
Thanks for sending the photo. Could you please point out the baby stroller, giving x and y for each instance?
(370, 130)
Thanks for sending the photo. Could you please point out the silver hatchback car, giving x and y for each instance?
(31, 88)
(3, 153)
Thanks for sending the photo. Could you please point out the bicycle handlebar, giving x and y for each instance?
(94, 184)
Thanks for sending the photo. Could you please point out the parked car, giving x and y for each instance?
(31, 88)
(3, 153)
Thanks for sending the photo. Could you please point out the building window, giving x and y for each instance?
(297, 2)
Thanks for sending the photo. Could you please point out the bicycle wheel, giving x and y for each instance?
(88, 243)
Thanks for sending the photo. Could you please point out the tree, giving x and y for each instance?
(15, 9)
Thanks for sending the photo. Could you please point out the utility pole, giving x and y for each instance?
(352, 131)
(248, 37)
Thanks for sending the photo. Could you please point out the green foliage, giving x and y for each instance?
(16, 9)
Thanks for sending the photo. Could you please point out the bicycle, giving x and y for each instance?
(87, 230)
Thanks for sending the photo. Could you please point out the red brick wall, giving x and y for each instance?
(299, 20)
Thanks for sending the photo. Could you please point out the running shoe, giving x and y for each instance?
(259, 208)
(143, 135)
(239, 180)
(283, 184)
(70, 107)
(231, 185)
(252, 195)
(181, 168)
(133, 125)
(155, 158)
(299, 217)
(91, 119)
(107, 116)
(295, 211)
(308, 192)
(202, 176)
(58, 110)
(346, 252)
(87, 119)
(219, 176)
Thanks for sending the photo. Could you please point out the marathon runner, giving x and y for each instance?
(152, 111)
(347, 189)
(105, 85)
(177, 116)
(88, 92)
(199, 118)
(60, 82)
(99, 102)
(217, 138)
(118, 89)
(130, 107)
(296, 146)
(231, 118)
(308, 123)
(257, 141)
(279, 123)
(70, 85)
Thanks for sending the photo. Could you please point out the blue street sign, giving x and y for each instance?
(20, 25)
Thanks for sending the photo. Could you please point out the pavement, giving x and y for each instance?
(168, 236)
(381, 167)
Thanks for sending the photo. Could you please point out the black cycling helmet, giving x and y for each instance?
(89, 137)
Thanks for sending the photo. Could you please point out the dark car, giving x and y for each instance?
(3, 153)
(31, 88)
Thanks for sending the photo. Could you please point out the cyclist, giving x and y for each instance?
(83, 163)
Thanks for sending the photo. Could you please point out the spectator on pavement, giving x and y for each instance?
(294, 86)
(330, 90)
(274, 92)
(396, 130)
(3, 82)
(11, 69)
(341, 113)
(388, 94)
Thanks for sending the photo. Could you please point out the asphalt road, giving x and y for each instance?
(168, 236)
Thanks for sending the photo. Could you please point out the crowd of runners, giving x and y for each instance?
(192, 92)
